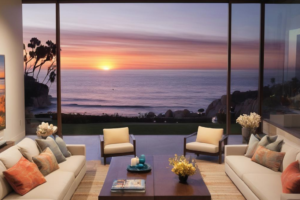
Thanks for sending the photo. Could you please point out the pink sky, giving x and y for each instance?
(147, 36)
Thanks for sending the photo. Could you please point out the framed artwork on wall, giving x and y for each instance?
(2, 93)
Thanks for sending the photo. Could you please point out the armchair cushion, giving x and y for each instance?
(118, 148)
(116, 136)
(204, 147)
(209, 135)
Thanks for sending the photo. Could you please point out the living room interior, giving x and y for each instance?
(150, 99)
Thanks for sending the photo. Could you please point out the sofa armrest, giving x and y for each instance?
(77, 149)
(284, 196)
(231, 150)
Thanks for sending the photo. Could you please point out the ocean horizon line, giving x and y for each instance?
(62, 69)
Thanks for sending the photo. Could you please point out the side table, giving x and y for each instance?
(8, 144)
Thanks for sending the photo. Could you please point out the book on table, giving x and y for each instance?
(128, 185)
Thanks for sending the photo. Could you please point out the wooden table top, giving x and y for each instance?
(161, 183)
(118, 170)
(167, 186)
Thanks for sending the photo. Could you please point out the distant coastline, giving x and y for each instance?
(134, 92)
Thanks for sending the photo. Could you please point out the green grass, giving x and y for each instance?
(144, 128)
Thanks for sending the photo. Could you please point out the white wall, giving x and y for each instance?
(11, 46)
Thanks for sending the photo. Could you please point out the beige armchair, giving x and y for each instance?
(209, 141)
(116, 142)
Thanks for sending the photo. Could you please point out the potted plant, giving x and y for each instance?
(249, 125)
(182, 167)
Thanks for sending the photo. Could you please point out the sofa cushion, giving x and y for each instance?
(73, 164)
(264, 186)
(56, 187)
(242, 165)
(197, 146)
(24, 176)
(49, 142)
(116, 135)
(209, 135)
(268, 158)
(118, 148)
(28, 148)
(46, 162)
(5, 188)
(10, 157)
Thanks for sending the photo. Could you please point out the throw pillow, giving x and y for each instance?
(290, 178)
(61, 145)
(275, 146)
(49, 142)
(28, 148)
(10, 156)
(24, 176)
(268, 158)
(46, 162)
(209, 135)
(267, 140)
(253, 142)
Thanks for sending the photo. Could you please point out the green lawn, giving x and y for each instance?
(143, 128)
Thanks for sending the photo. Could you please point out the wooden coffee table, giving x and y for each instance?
(161, 183)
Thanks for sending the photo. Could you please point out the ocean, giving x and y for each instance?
(134, 92)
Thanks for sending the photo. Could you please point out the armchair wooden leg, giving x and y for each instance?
(220, 157)
(104, 159)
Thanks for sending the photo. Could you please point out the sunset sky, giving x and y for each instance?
(2, 75)
(148, 36)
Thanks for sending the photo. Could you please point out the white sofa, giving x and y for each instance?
(256, 181)
(61, 184)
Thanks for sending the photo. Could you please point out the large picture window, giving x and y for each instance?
(143, 64)
(160, 68)
(39, 65)
(282, 66)
(244, 61)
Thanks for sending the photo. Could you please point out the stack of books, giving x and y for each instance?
(128, 185)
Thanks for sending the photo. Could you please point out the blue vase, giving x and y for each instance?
(142, 159)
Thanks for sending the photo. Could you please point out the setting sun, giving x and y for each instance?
(106, 68)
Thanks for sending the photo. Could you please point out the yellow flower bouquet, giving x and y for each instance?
(182, 167)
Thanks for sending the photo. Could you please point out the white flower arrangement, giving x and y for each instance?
(44, 129)
(249, 121)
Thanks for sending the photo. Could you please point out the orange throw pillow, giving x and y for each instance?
(24, 176)
(268, 158)
(290, 178)
(46, 162)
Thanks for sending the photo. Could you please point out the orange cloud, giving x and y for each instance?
(2, 75)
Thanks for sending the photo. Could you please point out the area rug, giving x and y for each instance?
(219, 185)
